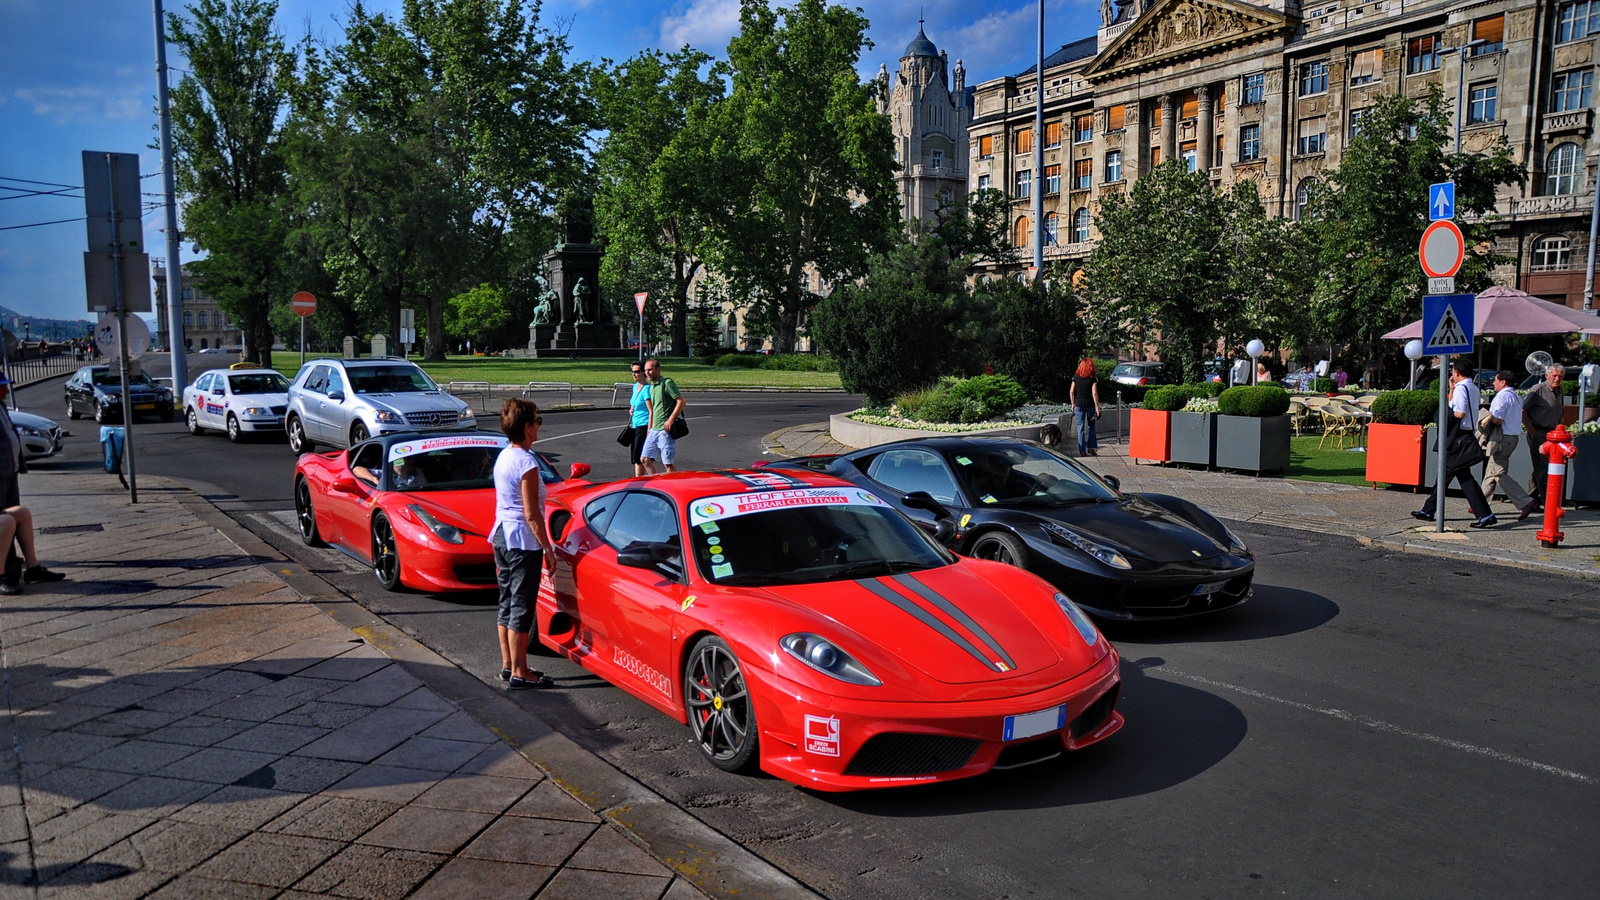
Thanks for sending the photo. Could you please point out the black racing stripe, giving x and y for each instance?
(926, 618)
(955, 612)
(764, 480)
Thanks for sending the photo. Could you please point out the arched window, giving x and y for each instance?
(1562, 173)
(1080, 225)
(1552, 253)
(203, 343)
(1302, 196)
(1019, 234)
(1052, 223)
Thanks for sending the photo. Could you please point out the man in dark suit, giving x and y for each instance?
(1541, 413)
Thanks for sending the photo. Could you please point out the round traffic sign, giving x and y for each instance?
(303, 303)
(1442, 249)
(105, 335)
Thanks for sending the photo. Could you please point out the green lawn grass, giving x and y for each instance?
(689, 373)
(1329, 463)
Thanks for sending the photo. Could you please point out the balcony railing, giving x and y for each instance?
(1573, 120)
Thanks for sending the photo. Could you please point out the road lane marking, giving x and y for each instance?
(597, 430)
(1376, 725)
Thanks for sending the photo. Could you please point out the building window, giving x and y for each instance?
(1481, 106)
(1051, 225)
(1082, 174)
(1019, 233)
(1025, 140)
(1314, 78)
(936, 157)
(1216, 151)
(1052, 180)
(1562, 172)
(1367, 66)
(984, 181)
(1188, 105)
(1356, 116)
(1187, 154)
(202, 318)
(945, 196)
(1082, 129)
(986, 146)
(1578, 20)
(1489, 35)
(1422, 55)
(1255, 88)
(188, 320)
(1113, 165)
(1155, 157)
(1116, 118)
(1313, 136)
(1080, 225)
(1052, 134)
(1571, 91)
(1552, 254)
(1302, 197)
(1024, 184)
(1250, 142)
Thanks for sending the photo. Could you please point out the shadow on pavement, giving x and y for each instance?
(1274, 611)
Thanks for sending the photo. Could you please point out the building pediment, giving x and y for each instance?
(1174, 30)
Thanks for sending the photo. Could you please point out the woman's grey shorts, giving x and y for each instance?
(518, 572)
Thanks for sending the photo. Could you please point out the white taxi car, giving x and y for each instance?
(237, 401)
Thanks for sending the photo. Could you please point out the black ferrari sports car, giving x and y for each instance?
(1120, 556)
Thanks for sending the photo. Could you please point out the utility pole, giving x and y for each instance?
(1038, 155)
(177, 352)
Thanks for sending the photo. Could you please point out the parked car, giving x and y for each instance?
(342, 402)
(796, 623)
(237, 401)
(97, 391)
(1120, 556)
(1136, 373)
(40, 437)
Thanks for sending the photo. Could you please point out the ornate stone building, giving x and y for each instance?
(204, 324)
(929, 113)
(1273, 92)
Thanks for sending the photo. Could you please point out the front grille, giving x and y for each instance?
(279, 410)
(432, 418)
(475, 573)
(1029, 752)
(1181, 600)
(911, 754)
(1096, 715)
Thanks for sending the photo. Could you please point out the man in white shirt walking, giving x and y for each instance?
(1505, 410)
(1464, 401)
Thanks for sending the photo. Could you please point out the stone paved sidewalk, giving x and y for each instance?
(181, 723)
(1376, 517)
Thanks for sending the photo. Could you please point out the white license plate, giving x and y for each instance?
(1200, 590)
(1034, 724)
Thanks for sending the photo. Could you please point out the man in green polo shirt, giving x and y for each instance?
(666, 406)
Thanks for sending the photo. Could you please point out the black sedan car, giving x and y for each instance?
(97, 391)
(1121, 556)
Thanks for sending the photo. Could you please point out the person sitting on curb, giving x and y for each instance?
(16, 526)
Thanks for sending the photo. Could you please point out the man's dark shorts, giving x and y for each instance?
(518, 572)
(9, 495)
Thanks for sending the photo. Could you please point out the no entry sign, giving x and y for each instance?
(303, 303)
(1442, 249)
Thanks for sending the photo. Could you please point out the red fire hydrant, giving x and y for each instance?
(1559, 449)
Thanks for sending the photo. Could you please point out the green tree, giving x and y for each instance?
(1269, 282)
(227, 117)
(652, 191)
(482, 315)
(806, 159)
(1037, 333)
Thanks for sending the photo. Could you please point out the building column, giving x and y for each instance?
(1169, 127)
(1135, 140)
(1204, 132)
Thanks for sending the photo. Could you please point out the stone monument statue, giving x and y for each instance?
(577, 223)
(547, 300)
(580, 302)
(1107, 14)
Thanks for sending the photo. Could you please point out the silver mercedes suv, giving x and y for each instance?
(342, 402)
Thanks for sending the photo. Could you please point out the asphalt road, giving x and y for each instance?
(1370, 725)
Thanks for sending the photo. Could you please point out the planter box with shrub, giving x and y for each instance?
(1150, 428)
(1583, 470)
(1194, 438)
(1396, 442)
(1252, 429)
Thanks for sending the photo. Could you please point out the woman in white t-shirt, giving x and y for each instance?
(522, 550)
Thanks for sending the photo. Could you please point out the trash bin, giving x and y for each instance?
(112, 439)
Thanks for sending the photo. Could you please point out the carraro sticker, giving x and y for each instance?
(726, 506)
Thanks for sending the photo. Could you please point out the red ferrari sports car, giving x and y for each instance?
(796, 622)
(416, 508)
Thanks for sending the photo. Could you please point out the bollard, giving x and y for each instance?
(1559, 449)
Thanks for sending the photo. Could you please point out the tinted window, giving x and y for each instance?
(908, 471)
(810, 544)
(642, 517)
(368, 456)
(316, 379)
(1025, 475)
(389, 380)
(335, 382)
(271, 383)
(598, 512)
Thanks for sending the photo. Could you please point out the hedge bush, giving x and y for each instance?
(1172, 397)
(740, 361)
(994, 394)
(1406, 407)
(799, 362)
(1257, 402)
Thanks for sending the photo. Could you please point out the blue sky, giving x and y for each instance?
(79, 75)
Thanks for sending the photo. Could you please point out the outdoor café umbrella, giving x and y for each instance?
(1503, 310)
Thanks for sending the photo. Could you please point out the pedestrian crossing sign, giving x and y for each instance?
(1447, 321)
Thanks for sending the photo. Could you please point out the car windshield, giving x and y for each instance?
(389, 380)
(108, 378)
(1129, 369)
(445, 469)
(810, 544)
(1025, 475)
(263, 383)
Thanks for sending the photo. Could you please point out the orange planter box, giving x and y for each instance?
(1394, 454)
(1150, 435)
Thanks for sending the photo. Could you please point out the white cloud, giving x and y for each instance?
(706, 25)
(84, 103)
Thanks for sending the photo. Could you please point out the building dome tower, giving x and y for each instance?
(929, 116)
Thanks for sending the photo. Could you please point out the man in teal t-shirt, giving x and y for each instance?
(666, 405)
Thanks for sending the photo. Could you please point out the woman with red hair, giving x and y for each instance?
(1085, 399)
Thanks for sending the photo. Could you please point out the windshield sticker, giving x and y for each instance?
(411, 448)
(710, 527)
(726, 506)
(716, 557)
(721, 570)
(713, 540)
(988, 498)
(963, 460)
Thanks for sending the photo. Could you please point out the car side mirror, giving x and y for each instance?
(647, 555)
(579, 470)
(218, 392)
(924, 501)
(345, 483)
(336, 395)
(1114, 481)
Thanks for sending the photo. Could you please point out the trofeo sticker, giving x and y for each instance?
(822, 735)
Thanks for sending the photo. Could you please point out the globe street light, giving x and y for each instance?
(1413, 353)
(1255, 348)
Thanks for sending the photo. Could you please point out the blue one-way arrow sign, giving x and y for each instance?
(1447, 323)
(1442, 201)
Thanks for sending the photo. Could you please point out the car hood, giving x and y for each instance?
(261, 399)
(988, 637)
(471, 510)
(413, 401)
(138, 390)
(1137, 527)
(32, 421)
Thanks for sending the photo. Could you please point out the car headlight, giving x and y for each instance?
(108, 399)
(824, 656)
(30, 431)
(1234, 544)
(255, 411)
(385, 417)
(447, 533)
(1077, 541)
(1079, 619)
(467, 413)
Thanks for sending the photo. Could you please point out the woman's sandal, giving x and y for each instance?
(505, 674)
(539, 680)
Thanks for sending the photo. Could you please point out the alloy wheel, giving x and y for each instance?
(717, 700)
(234, 434)
(193, 421)
(305, 514)
(385, 555)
